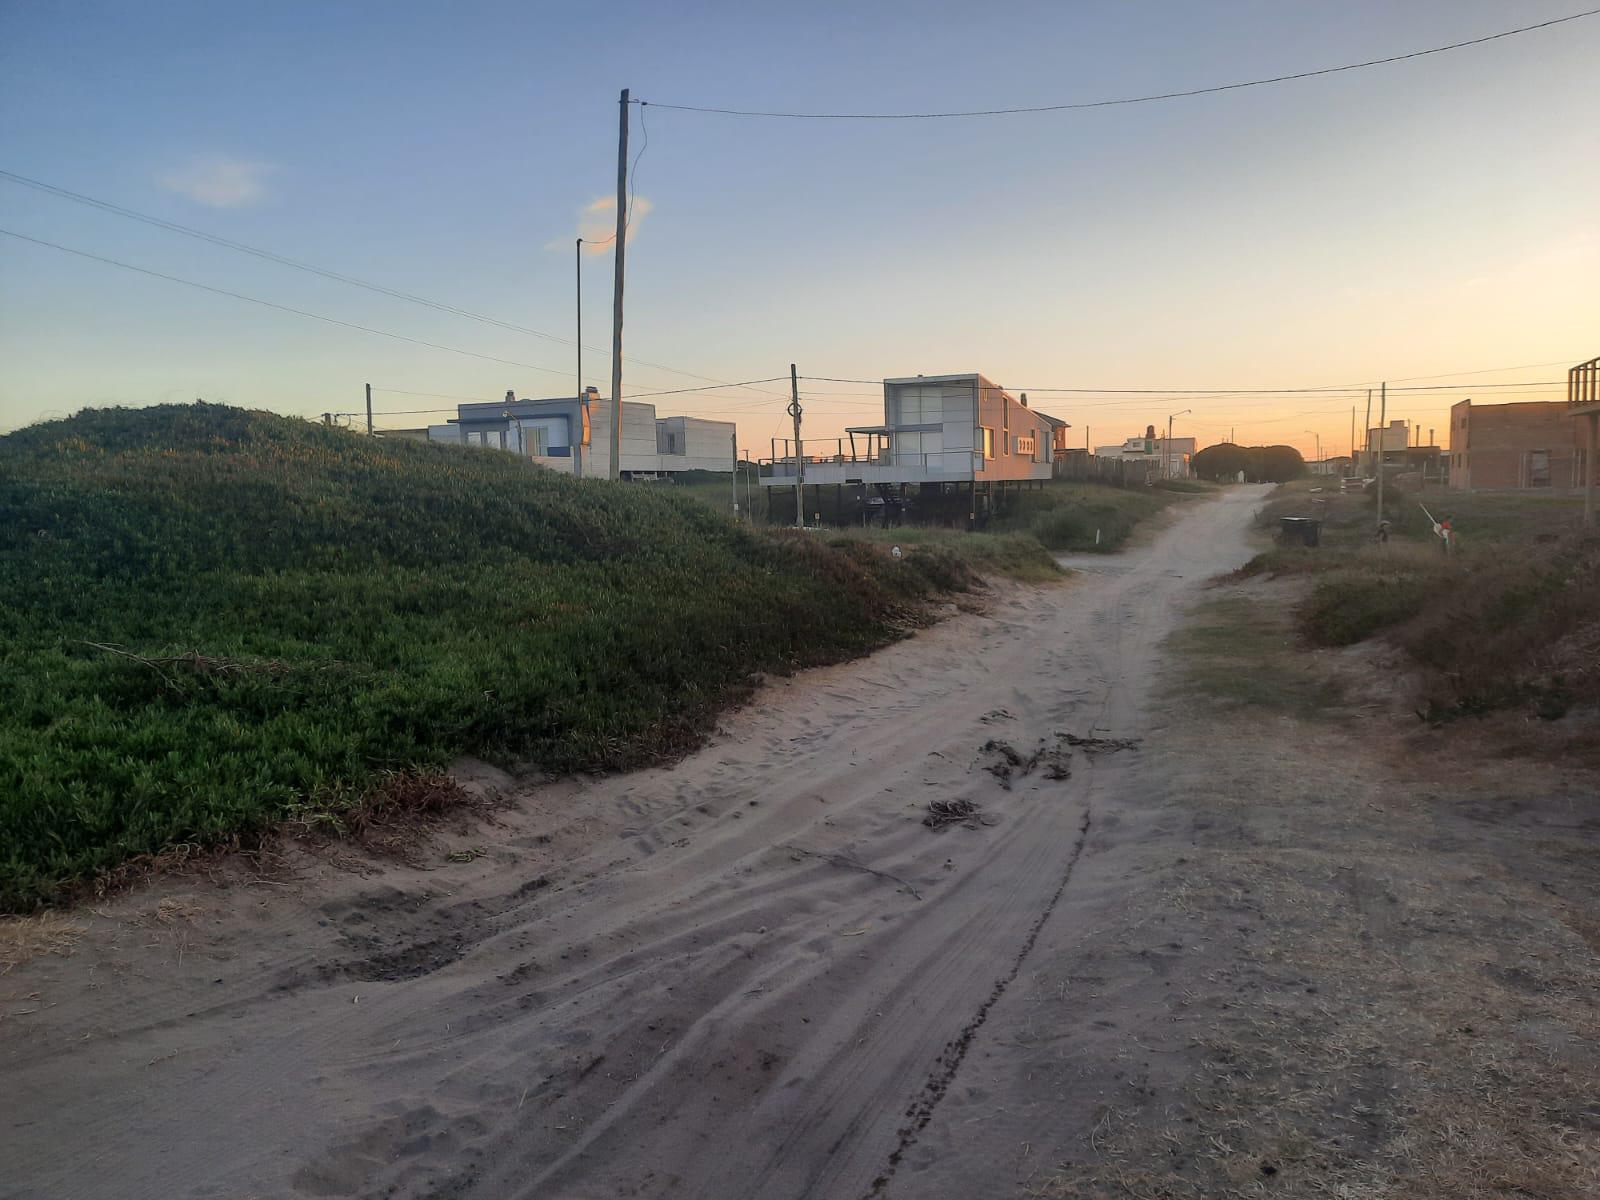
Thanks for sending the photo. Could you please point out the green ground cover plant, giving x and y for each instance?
(1066, 516)
(210, 618)
(1018, 556)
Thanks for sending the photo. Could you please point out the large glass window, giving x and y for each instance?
(919, 449)
(921, 406)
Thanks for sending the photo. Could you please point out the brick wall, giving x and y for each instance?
(1514, 446)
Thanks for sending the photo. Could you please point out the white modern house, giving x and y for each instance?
(1173, 457)
(573, 434)
(937, 430)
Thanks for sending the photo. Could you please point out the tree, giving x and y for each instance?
(1221, 463)
(1276, 464)
(1260, 464)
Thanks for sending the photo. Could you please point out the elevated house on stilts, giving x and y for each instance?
(951, 446)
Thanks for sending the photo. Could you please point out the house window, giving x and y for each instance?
(921, 406)
(986, 441)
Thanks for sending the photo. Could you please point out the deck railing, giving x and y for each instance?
(1583, 385)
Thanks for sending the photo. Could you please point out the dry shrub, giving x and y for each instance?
(1521, 627)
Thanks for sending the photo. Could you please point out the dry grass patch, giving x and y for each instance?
(25, 938)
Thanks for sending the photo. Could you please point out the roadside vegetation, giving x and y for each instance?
(213, 619)
(1021, 542)
(1089, 517)
(1238, 652)
(1017, 543)
(1018, 556)
(1061, 516)
(1510, 621)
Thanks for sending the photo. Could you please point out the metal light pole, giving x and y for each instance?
(522, 434)
(1166, 446)
(1318, 436)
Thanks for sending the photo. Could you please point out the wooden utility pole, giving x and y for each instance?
(577, 275)
(733, 439)
(1383, 415)
(1352, 439)
(1368, 427)
(799, 451)
(369, 410)
(616, 286)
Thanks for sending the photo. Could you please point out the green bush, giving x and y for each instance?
(210, 616)
(1350, 608)
(1067, 516)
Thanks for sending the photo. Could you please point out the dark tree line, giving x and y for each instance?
(1260, 464)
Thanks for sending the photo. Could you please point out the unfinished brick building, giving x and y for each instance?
(1533, 445)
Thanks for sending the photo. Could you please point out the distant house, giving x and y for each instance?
(1173, 458)
(1338, 464)
(1386, 443)
(573, 434)
(938, 430)
(1531, 446)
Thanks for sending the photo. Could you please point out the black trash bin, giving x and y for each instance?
(1305, 530)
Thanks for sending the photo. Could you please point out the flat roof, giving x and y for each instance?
(961, 378)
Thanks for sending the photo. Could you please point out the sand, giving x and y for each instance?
(754, 973)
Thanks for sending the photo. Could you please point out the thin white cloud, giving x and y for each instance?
(220, 182)
(597, 224)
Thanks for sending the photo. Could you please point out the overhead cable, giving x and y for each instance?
(1122, 100)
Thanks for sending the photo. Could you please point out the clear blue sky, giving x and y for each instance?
(1424, 218)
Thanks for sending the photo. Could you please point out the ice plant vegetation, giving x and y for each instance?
(211, 618)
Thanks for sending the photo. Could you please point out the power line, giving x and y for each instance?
(403, 412)
(684, 391)
(299, 312)
(1175, 391)
(337, 276)
(270, 256)
(1204, 91)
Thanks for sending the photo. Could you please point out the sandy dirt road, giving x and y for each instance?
(754, 973)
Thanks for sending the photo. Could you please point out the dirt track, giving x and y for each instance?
(756, 973)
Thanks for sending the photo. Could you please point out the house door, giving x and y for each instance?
(1538, 468)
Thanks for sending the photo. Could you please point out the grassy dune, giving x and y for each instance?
(210, 618)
